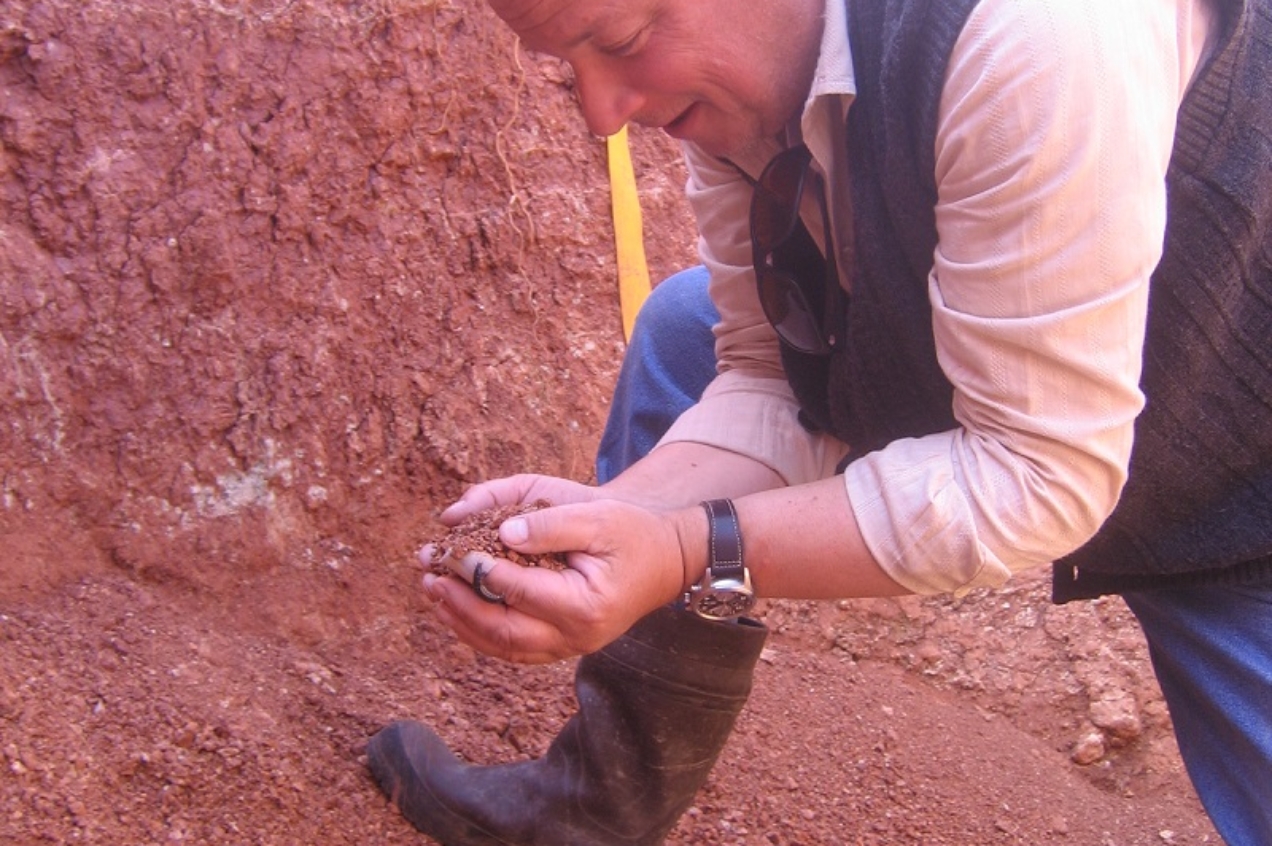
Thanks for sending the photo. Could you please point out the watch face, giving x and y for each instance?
(723, 602)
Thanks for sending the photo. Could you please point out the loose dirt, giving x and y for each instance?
(278, 279)
(480, 533)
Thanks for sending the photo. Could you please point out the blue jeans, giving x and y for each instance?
(1211, 647)
(668, 365)
(1212, 652)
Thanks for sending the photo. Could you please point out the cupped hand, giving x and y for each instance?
(624, 562)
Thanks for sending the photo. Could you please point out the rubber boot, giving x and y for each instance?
(655, 709)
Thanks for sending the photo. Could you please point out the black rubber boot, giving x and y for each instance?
(655, 709)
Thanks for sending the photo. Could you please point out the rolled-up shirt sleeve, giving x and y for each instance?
(1056, 128)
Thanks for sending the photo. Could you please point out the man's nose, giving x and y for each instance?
(607, 101)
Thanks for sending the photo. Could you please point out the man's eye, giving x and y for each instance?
(629, 45)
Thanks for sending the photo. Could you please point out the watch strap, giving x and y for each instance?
(724, 536)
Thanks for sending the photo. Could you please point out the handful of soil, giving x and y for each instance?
(480, 533)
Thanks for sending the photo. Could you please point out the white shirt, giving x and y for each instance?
(1055, 129)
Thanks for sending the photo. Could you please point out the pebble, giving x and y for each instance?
(1117, 713)
(1089, 749)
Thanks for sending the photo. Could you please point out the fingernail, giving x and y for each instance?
(515, 531)
(430, 580)
(426, 554)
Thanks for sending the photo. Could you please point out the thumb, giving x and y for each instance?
(563, 528)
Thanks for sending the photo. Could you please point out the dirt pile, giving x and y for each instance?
(277, 280)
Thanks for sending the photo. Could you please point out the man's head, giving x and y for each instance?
(720, 73)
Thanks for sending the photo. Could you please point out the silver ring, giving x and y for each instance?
(479, 573)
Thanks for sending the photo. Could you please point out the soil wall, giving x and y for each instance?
(278, 279)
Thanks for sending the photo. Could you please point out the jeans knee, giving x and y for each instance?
(677, 308)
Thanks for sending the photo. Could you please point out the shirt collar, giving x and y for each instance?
(834, 80)
(834, 73)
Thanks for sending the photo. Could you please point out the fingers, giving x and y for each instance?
(606, 533)
(474, 568)
(466, 566)
(483, 497)
(501, 630)
(515, 490)
(495, 581)
(624, 561)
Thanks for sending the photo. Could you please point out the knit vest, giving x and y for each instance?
(1197, 506)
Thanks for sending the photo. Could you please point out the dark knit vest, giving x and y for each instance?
(1197, 507)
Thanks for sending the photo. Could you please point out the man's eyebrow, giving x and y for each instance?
(558, 50)
(585, 35)
(598, 22)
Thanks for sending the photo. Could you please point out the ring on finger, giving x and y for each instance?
(479, 574)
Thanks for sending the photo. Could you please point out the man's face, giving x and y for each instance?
(720, 73)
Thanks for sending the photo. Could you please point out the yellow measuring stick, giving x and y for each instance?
(629, 240)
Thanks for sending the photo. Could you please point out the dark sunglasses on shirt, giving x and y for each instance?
(790, 271)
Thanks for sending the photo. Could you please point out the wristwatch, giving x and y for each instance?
(725, 590)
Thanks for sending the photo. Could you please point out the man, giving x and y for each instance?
(929, 228)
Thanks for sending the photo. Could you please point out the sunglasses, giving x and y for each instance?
(790, 270)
